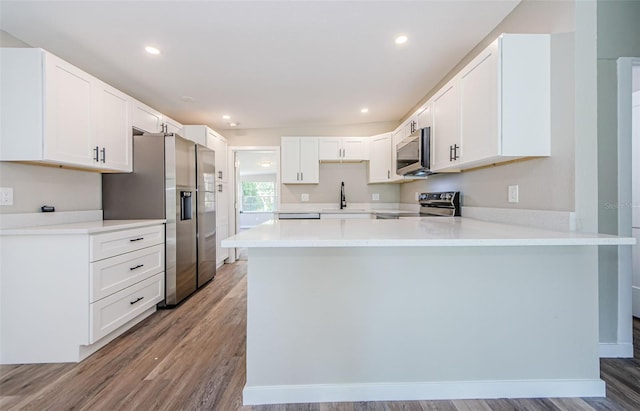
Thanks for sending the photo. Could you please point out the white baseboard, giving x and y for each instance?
(290, 394)
(616, 350)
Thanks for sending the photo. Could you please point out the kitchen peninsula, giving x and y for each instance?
(427, 308)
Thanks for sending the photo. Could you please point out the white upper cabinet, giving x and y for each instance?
(114, 128)
(425, 117)
(147, 119)
(299, 160)
(55, 113)
(207, 137)
(343, 149)
(171, 126)
(445, 142)
(380, 157)
(503, 102)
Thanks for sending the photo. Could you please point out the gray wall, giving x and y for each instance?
(35, 186)
(546, 183)
(618, 35)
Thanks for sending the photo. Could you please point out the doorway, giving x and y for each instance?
(256, 187)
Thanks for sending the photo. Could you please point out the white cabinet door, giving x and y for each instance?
(425, 118)
(299, 160)
(479, 103)
(199, 134)
(171, 126)
(411, 125)
(445, 131)
(380, 158)
(70, 134)
(355, 149)
(146, 119)
(309, 167)
(114, 128)
(221, 149)
(330, 149)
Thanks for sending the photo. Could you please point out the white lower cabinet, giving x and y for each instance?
(68, 291)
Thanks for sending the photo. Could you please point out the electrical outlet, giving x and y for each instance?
(513, 194)
(304, 197)
(375, 197)
(6, 196)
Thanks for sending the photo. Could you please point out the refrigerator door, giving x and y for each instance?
(181, 240)
(206, 208)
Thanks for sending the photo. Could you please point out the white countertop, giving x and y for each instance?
(418, 232)
(85, 227)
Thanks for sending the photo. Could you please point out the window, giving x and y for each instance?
(258, 196)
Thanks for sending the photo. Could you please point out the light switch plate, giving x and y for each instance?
(304, 197)
(375, 197)
(6, 196)
(513, 194)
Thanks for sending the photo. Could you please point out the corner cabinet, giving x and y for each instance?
(299, 160)
(55, 113)
(83, 290)
(498, 106)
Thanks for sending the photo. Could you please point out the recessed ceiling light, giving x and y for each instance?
(187, 99)
(226, 117)
(152, 50)
(265, 164)
(401, 39)
(364, 110)
(233, 124)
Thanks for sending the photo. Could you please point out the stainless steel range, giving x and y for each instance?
(443, 203)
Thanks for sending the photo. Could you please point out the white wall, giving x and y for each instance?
(35, 186)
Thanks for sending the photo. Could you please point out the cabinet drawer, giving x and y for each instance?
(116, 273)
(120, 242)
(117, 309)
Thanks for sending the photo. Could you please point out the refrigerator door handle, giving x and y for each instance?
(186, 205)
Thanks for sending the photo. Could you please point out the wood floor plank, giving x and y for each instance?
(192, 357)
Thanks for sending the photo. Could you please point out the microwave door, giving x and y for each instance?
(408, 156)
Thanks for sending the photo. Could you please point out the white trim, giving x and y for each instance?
(624, 102)
(286, 394)
(234, 219)
(616, 350)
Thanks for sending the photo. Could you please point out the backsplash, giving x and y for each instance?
(357, 190)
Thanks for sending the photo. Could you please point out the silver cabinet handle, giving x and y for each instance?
(220, 175)
(104, 154)
(97, 149)
(220, 188)
(301, 176)
(388, 174)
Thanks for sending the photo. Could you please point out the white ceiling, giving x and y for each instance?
(266, 63)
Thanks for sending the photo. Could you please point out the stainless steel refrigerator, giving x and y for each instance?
(172, 179)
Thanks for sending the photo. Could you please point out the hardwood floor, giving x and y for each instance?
(193, 358)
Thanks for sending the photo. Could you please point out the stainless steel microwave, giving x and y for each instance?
(413, 154)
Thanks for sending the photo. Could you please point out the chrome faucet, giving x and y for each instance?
(343, 199)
